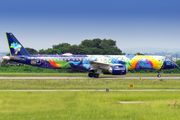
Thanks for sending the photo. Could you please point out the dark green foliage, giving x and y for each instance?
(32, 51)
(87, 47)
(138, 53)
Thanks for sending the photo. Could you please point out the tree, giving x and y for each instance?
(87, 43)
(138, 53)
(42, 51)
(97, 42)
(59, 46)
(91, 47)
(32, 51)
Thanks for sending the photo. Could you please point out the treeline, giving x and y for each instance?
(87, 47)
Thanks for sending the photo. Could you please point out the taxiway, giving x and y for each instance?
(55, 78)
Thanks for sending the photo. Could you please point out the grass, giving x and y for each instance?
(83, 75)
(88, 84)
(84, 105)
(88, 105)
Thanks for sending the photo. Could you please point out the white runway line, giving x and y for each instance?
(74, 90)
(125, 102)
(109, 78)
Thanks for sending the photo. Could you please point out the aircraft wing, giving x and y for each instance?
(100, 65)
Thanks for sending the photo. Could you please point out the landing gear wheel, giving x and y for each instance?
(96, 75)
(90, 74)
(159, 75)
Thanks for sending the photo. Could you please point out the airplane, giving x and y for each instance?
(95, 64)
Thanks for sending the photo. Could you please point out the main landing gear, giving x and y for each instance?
(159, 75)
(95, 75)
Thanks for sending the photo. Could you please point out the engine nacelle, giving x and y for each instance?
(118, 70)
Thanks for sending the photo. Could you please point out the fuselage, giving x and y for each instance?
(82, 62)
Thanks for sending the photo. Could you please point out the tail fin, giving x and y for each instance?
(15, 47)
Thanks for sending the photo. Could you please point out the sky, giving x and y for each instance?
(136, 25)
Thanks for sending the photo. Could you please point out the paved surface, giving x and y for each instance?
(125, 102)
(52, 78)
(128, 90)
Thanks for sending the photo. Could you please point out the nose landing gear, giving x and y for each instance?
(90, 74)
(159, 75)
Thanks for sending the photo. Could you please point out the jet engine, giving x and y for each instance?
(118, 70)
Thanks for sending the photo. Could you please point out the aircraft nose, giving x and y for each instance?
(169, 65)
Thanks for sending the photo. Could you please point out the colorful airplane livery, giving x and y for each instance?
(95, 64)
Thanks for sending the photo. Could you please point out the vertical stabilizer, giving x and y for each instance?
(15, 47)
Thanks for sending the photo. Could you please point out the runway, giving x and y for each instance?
(108, 78)
(100, 90)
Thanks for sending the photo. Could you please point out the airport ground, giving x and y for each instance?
(69, 105)
(96, 104)
(84, 75)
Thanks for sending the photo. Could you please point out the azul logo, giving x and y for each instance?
(36, 62)
(16, 46)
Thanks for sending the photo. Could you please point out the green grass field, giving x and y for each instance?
(88, 84)
(84, 105)
(88, 105)
(83, 75)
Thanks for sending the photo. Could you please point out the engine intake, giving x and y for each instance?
(118, 70)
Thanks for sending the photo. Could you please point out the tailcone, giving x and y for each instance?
(7, 58)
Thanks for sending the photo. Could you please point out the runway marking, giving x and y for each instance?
(60, 78)
(125, 102)
(74, 90)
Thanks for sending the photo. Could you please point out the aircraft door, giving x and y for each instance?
(24, 59)
(159, 62)
(38, 61)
